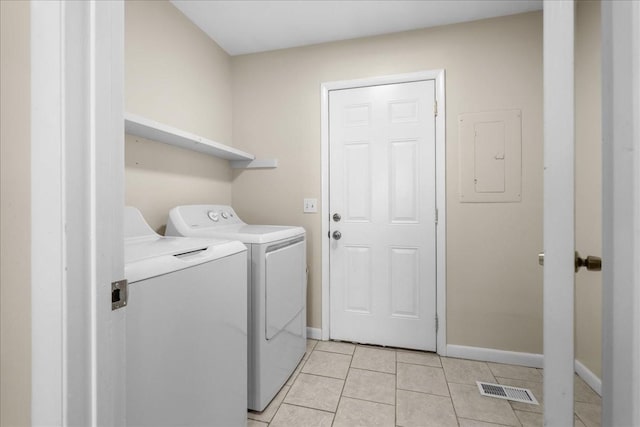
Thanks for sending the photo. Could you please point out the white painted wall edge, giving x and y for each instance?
(532, 360)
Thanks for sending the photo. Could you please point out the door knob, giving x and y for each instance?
(591, 263)
(336, 217)
(337, 235)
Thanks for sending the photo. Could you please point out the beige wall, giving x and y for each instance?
(15, 208)
(494, 285)
(588, 183)
(174, 74)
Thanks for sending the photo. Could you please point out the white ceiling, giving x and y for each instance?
(241, 27)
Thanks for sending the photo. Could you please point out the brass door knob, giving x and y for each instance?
(591, 263)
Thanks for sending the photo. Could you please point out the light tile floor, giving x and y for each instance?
(346, 385)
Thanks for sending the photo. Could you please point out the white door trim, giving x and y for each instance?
(77, 175)
(621, 213)
(559, 235)
(439, 77)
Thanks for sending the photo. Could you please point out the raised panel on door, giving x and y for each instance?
(358, 279)
(357, 186)
(382, 184)
(404, 181)
(404, 282)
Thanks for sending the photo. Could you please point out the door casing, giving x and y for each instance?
(439, 77)
(77, 196)
(621, 213)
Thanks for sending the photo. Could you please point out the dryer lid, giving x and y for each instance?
(250, 234)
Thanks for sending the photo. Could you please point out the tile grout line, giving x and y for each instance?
(306, 407)
(395, 411)
(344, 384)
(455, 413)
(350, 368)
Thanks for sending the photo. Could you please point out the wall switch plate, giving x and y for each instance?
(310, 205)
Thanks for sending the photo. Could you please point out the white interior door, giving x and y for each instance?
(382, 199)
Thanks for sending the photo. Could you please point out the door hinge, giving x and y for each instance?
(435, 108)
(436, 216)
(437, 323)
(119, 294)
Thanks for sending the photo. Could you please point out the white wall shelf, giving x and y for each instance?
(155, 131)
(254, 164)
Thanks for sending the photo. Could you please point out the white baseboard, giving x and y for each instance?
(314, 333)
(532, 360)
(589, 377)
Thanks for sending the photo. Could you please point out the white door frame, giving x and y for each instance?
(439, 77)
(77, 175)
(559, 212)
(621, 213)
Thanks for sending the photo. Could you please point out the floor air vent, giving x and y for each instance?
(516, 394)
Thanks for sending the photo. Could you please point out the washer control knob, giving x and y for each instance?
(224, 215)
(213, 216)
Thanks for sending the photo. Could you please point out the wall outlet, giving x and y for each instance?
(310, 206)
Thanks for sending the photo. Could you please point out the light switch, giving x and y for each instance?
(310, 205)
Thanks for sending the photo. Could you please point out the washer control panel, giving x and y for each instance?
(204, 216)
(218, 215)
(221, 215)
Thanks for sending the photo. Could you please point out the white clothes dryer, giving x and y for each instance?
(277, 296)
(186, 329)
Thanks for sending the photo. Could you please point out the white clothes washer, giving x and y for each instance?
(277, 296)
(186, 329)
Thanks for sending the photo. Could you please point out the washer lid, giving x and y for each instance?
(140, 248)
(147, 257)
(135, 225)
(147, 254)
